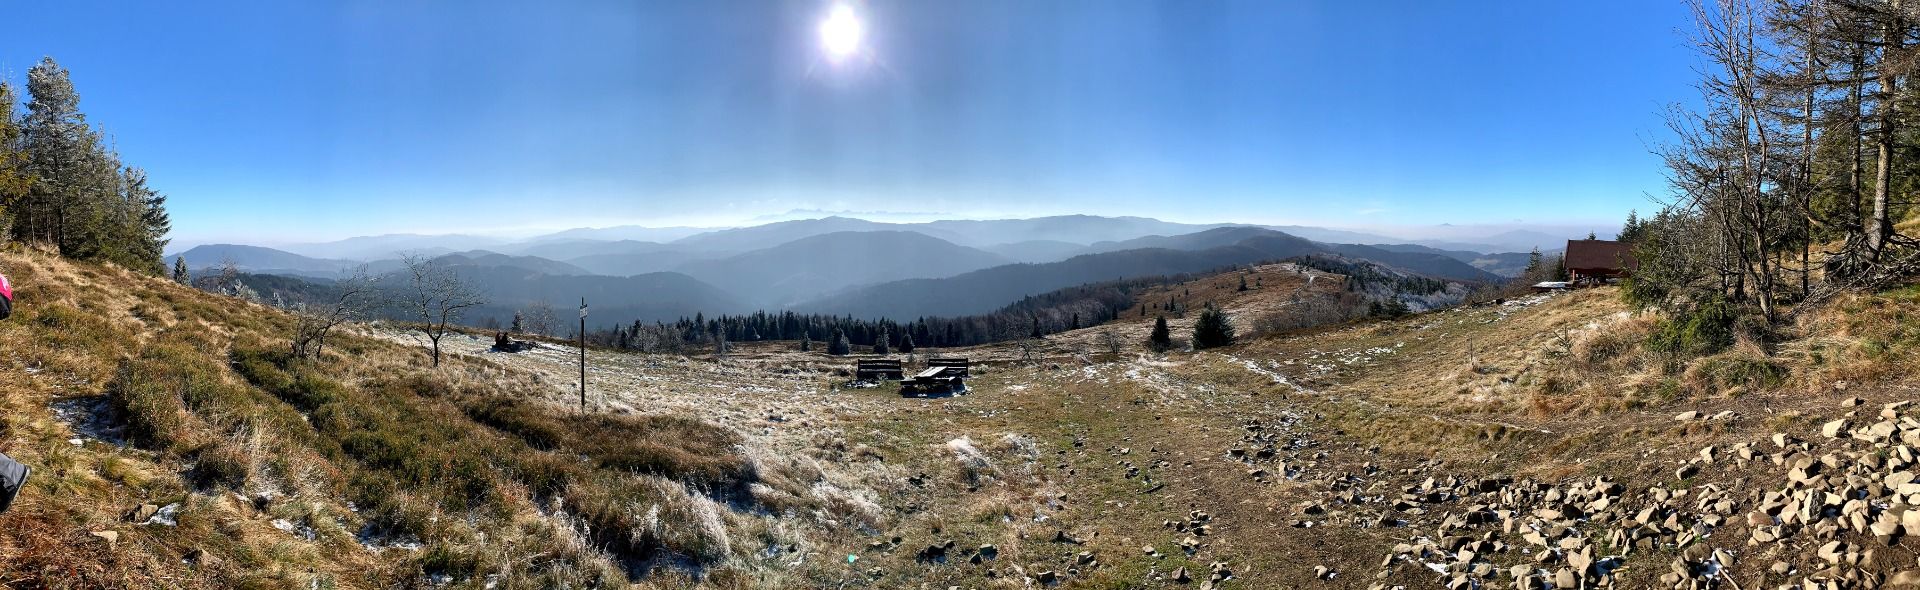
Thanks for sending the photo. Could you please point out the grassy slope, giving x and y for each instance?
(366, 445)
(793, 476)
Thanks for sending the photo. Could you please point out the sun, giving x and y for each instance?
(841, 33)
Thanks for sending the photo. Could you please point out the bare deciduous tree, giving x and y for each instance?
(434, 296)
(539, 319)
(351, 300)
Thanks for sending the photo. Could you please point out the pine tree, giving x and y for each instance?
(13, 162)
(150, 234)
(839, 346)
(63, 154)
(1037, 334)
(1162, 338)
(1631, 231)
(81, 199)
(880, 345)
(806, 342)
(1243, 282)
(1212, 329)
(182, 276)
(519, 322)
(906, 344)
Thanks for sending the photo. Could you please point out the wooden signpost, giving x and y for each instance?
(583, 355)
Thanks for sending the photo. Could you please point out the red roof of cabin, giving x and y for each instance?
(1600, 254)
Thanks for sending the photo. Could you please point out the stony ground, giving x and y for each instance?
(1487, 446)
(1398, 454)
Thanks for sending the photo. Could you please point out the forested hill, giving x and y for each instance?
(63, 185)
(984, 290)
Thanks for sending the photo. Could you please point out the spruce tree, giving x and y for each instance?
(1162, 338)
(1632, 230)
(1212, 329)
(13, 162)
(880, 345)
(906, 344)
(182, 276)
(806, 342)
(839, 346)
(81, 199)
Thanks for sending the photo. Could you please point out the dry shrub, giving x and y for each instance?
(1734, 373)
(674, 447)
(1613, 347)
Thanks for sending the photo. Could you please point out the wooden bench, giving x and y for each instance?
(954, 364)
(877, 369)
(946, 375)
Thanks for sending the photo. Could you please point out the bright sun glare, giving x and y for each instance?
(841, 33)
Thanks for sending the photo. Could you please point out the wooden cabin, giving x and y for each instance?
(1598, 261)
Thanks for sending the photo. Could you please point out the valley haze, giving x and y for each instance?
(846, 265)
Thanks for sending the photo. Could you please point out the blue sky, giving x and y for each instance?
(278, 121)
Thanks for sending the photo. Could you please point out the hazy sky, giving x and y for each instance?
(273, 121)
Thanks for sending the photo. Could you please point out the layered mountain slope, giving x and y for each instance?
(984, 290)
(810, 267)
(259, 259)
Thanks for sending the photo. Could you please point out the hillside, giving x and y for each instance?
(576, 248)
(534, 264)
(1032, 251)
(746, 239)
(393, 246)
(1361, 444)
(984, 290)
(176, 445)
(810, 267)
(263, 260)
(629, 264)
(615, 300)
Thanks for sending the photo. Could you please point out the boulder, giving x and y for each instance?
(142, 513)
(1834, 429)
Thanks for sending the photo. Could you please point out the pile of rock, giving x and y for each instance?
(1815, 509)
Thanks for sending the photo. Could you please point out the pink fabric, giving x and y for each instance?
(5, 288)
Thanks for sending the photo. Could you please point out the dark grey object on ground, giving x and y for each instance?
(13, 478)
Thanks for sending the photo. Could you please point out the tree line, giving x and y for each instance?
(64, 186)
(1033, 316)
(1790, 176)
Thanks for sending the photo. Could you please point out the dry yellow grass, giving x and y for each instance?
(760, 470)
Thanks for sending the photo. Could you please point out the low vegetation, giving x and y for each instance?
(361, 467)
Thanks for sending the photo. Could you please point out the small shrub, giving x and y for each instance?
(1704, 329)
(1728, 373)
(1212, 329)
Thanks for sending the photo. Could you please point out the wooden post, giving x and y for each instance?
(583, 355)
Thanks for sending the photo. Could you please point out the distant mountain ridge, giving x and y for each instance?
(260, 259)
(847, 265)
(984, 290)
(814, 266)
